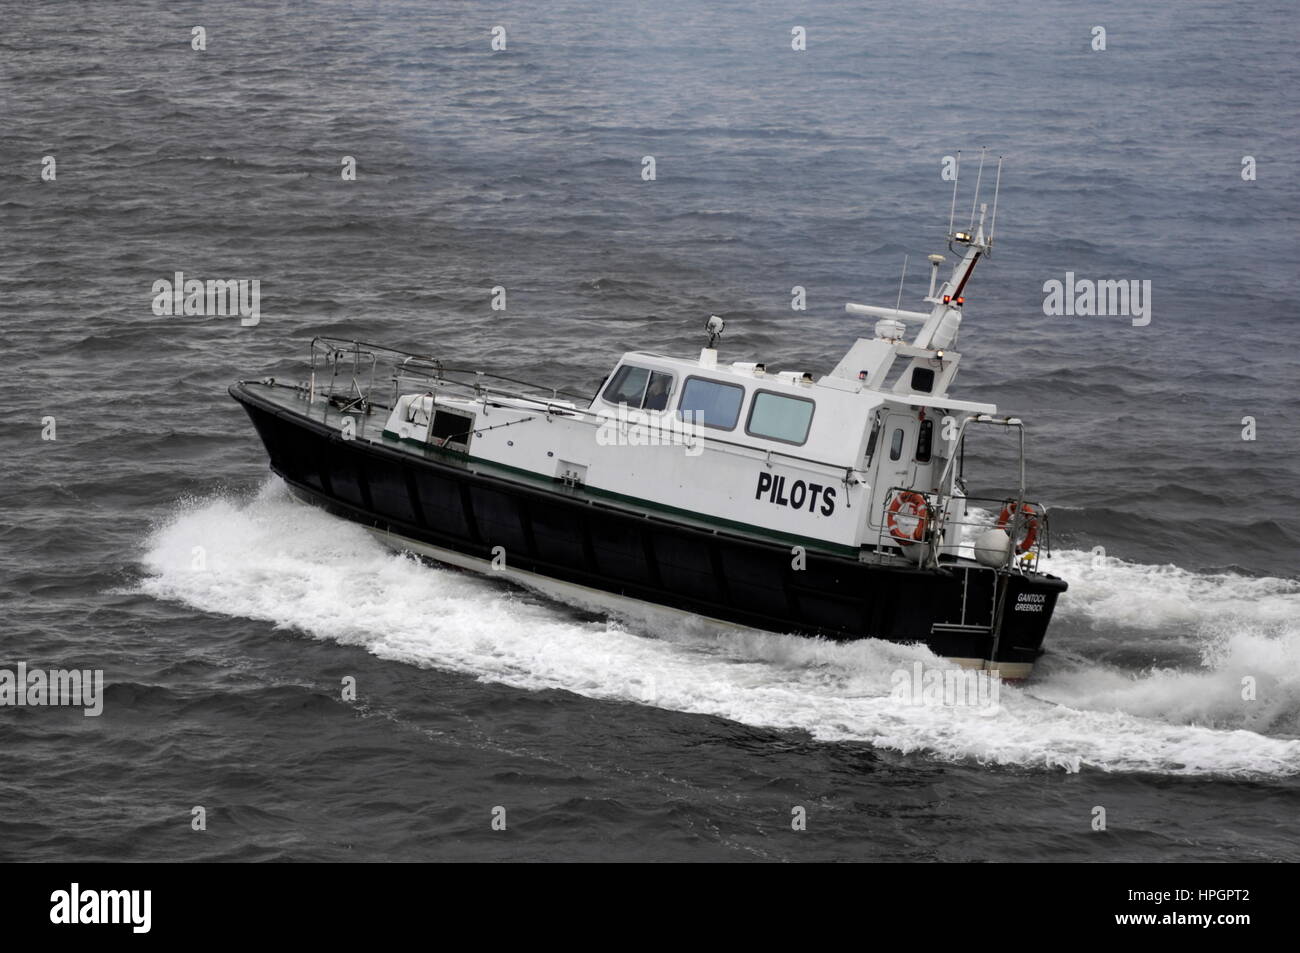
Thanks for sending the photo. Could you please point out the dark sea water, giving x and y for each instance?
(522, 168)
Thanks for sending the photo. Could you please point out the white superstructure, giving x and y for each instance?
(815, 459)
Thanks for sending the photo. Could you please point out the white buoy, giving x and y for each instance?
(992, 547)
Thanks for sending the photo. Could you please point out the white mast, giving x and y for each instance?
(933, 347)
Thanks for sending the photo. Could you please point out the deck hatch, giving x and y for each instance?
(450, 429)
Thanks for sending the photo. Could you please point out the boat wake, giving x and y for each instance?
(1237, 636)
(269, 558)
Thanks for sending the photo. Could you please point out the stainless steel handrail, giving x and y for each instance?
(431, 372)
(938, 522)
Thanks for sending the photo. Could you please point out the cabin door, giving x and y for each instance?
(895, 462)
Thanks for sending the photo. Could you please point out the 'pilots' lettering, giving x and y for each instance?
(798, 493)
(801, 495)
(828, 501)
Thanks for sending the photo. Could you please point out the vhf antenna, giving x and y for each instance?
(996, 185)
(956, 174)
(898, 304)
(978, 175)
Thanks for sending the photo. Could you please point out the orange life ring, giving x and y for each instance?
(910, 505)
(1030, 517)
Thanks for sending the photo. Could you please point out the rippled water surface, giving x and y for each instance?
(521, 168)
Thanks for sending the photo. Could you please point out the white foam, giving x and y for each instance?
(1245, 631)
(269, 558)
(1109, 591)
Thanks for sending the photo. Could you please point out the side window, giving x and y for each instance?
(628, 386)
(714, 404)
(896, 445)
(639, 388)
(924, 439)
(778, 417)
(657, 394)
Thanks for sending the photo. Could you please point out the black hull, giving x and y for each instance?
(962, 611)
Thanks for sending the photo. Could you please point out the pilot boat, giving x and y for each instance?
(831, 506)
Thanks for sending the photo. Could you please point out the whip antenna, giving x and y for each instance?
(956, 174)
(978, 176)
(993, 224)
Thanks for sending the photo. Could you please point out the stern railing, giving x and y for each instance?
(939, 521)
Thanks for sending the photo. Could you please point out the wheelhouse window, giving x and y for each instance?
(924, 441)
(639, 387)
(711, 403)
(896, 445)
(778, 417)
